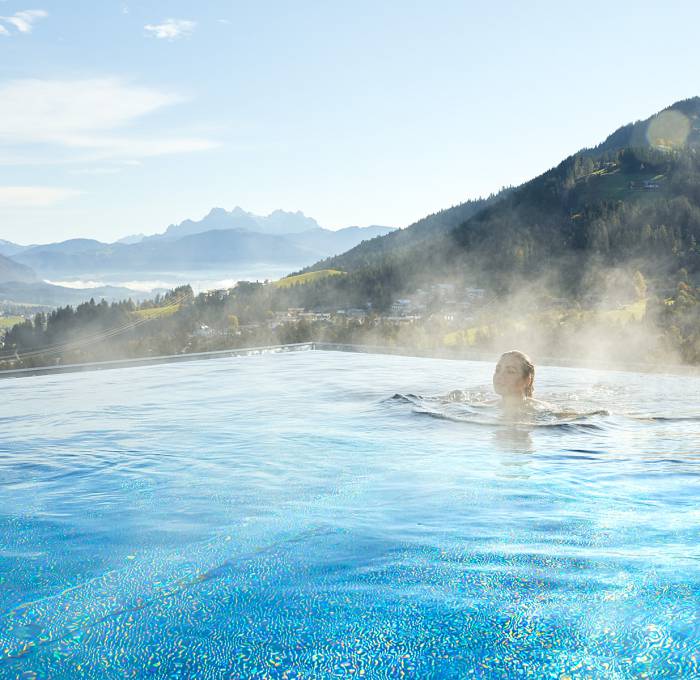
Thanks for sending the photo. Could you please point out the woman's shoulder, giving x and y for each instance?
(545, 407)
(539, 405)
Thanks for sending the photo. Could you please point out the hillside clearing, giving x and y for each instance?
(9, 321)
(156, 312)
(308, 277)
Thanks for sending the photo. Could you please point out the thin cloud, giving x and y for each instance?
(87, 115)
(96, 171)
(171, 29)
(111, 145)
(22, 21)
(34, 196)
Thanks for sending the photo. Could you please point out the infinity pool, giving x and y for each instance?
(283, 516)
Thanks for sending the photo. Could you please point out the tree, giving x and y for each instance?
(640, 285)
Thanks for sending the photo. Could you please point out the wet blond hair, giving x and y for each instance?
(527, 366)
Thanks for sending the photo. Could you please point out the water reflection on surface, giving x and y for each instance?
(513, 439)
(284, 516)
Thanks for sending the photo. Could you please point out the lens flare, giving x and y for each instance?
(670, 129)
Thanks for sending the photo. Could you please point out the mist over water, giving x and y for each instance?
(583, 312)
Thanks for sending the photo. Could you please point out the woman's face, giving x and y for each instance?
(508, 378)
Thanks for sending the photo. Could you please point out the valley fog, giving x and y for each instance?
(199, 280)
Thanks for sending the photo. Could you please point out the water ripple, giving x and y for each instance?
(285, 516)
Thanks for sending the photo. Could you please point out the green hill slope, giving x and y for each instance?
(372, 251)
(634, 200)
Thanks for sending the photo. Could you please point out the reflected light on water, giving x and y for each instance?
(297, 520)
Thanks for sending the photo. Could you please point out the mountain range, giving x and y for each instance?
(221, 239)
(278, 222)
(14, 271)
(50, 295)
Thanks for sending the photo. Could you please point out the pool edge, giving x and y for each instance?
(433, 353)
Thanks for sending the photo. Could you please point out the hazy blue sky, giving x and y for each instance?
(122, 117)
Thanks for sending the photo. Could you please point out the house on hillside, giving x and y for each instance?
(204, 331)
(401, 320)
(315, 316)
(443, 289)
(475, 293)
(644, 185)
(401, 307)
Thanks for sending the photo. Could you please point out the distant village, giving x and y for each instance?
(447, 303)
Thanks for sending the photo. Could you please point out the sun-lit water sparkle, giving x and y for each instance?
(283, 516)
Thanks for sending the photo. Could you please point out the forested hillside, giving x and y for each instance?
(610, 206)
(372, 251)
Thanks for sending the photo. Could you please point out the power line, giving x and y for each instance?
(95, 337)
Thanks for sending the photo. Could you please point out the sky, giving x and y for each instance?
(122, 117)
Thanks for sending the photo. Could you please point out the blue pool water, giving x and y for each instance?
(283, 516)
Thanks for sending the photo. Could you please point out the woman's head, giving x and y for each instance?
(514, 375)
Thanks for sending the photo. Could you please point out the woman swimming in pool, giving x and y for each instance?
(513, 381)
